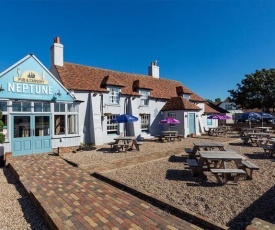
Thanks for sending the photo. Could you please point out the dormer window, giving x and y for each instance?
(114, 95)
(186, 96)
(144, 99)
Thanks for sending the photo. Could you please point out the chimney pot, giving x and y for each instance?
(57, 40)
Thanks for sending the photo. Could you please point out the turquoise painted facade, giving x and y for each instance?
(30, 80)
(39, 113)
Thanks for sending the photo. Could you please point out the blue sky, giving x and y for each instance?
(209, 46)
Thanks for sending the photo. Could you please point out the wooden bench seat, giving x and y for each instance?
(137, 144)
(269, 149)
(111, 144)
(236, 173)
(120, 147)
(248, 165)
(193, 165)
(245, 139)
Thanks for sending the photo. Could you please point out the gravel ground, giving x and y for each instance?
(169, 179)
(16, 210)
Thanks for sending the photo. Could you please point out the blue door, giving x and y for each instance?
(31, 134)
(191, 123)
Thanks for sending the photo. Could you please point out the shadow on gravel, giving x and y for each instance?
(263, 208)
(174, 158)
(257, 155)
(30, 212)
(241, 144)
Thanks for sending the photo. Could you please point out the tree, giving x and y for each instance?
(218, 100)
(257, 90)
(2, 136)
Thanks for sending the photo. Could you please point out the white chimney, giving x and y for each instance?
(57, 56)
(153, 70)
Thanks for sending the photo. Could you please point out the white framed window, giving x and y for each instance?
(228, 107)
(21, 106)
(144, 122)
(42, 107)
(186, 96)
(144, 99)
(66, 118)
(114, 95)
(172, 115)
(112, 127)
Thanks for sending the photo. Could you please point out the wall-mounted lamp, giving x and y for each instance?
(134, 97)
(94, 94)
(1, 89)
(157, 99)
(197, 115)
(58, 94)
(186, 115)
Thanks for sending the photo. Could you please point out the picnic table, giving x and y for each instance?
(257, 138)
(244, 131)
(217, 131)
(124, 143)
(263, 129)
(169, 136)
(219, 168)
(205, 145)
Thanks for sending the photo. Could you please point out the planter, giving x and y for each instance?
(192, 135)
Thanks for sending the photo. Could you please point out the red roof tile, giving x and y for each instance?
(208, 109)
(79, 77)
(179, 103)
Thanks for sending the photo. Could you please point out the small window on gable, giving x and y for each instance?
(186, 96)
(114, 95)
(144, 99)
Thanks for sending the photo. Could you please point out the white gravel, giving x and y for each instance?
(16, 210)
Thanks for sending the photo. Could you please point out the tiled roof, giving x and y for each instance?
(208, 109)
(179, 103)
(79, 77)
(216, 107)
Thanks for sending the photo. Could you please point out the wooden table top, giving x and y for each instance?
(127, 138)
(220, 155)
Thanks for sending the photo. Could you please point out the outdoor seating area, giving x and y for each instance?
(124, 143)
(171, 169)
(216, 161)
(216, 131)
(169, 136)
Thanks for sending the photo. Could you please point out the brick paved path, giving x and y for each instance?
(69, 198)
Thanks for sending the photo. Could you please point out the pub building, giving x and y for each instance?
(39, 113)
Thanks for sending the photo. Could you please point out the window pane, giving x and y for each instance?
(145, 122)
(59, 107)
(72, 124)
(111, 126)
(47, 107)
(16, 106)
(114, 96)
(26, 106)
(38, 107)
(59, 124)
(42, 126)
(73, 107)
(3, 106)
(144, 99)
